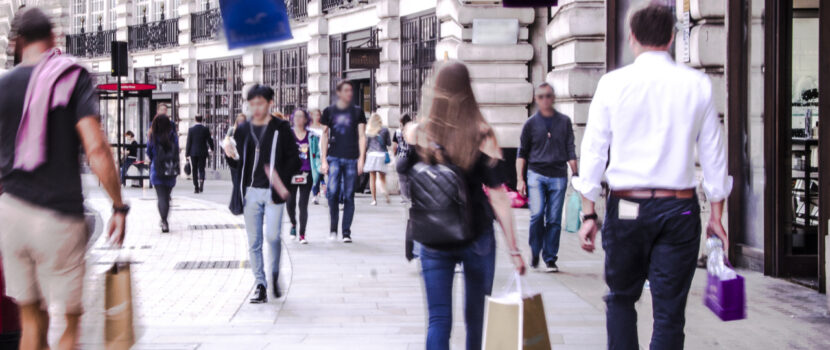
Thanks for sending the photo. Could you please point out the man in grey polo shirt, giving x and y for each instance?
(546, 148)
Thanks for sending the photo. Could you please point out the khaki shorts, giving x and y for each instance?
(43, 254)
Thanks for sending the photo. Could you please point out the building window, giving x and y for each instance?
(209, 4)
(79, 16)
(419, 36)
(220, 99)
(285, 70)
(113, 16)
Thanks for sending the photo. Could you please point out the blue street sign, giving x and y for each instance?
(254, 22)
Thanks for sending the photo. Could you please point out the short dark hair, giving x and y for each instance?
(263, 91)
(405, 119)
(543, 86)
(653, 25)
(199, 118)
(32, 25)
(129, 133)
(343, 83)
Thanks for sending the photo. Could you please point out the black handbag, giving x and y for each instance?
(187, 168)
(236, 206)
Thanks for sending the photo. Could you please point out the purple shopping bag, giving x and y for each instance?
(727, 299)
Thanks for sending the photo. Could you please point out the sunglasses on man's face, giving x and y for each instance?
(545, 96)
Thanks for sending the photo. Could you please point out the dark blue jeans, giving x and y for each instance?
(547, 196)
(438, 268)
(661, 244)
(342, 177)
(128, 162)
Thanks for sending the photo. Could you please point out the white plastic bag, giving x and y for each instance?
(714, 264)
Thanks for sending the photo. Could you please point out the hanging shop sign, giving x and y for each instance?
(490, 31)
(127, 87)
(530, 3)
(364, 58)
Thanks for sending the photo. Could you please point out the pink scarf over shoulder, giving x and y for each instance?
(50, 87)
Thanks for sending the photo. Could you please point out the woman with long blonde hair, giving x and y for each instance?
(454, 133)
(377, 156)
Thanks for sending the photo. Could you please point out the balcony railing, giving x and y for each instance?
(297, 9)
(207, 25)
(95, 44)
(154, 35)
(332, 4)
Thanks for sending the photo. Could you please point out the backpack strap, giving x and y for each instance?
(273, 157)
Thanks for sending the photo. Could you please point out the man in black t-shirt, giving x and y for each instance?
(344, 148)
(43, 235)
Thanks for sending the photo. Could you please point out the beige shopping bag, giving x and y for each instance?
(118, 327)
(516, 320)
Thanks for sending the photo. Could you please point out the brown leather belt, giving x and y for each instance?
(654, 193)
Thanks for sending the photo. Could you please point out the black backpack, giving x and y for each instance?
(166, 161)
(440, 212)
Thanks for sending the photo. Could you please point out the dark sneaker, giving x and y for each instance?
(293, 232)
(276, 286)
(534, 262)
(551, 267)
(701, 262)
(260, 296)
(347, 239)
(165, 227)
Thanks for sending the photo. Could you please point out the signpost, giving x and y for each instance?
(364, 58)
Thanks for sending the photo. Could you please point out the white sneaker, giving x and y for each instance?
(315, 201)
(303, 240)
(347, 240)
(333, 236)
(374, 203)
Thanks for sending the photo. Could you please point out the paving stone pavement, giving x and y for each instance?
(367, 296)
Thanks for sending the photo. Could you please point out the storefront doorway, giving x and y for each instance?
(363, 80)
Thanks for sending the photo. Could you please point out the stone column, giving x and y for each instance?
(124, 18)
(189, 96)
(251, 70)
(389, 75)
(6, 15)
(499, 72)
(318, 56)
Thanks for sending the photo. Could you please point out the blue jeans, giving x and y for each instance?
(438, 268)
(128, 162)
(342, 177)
(547, 196)
(661, 244)
(259, 209)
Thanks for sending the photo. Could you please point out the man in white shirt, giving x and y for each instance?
(652, 115)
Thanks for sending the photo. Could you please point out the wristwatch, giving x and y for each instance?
(122, 209)
(587, 217)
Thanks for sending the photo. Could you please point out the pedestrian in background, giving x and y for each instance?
(654, 116)
(199, 146)
(399, 149)
(130, 155)
(546, 148)
(163, 151)
(301, 183)
(265, 152)
(455, 133)
(377, 157)
(43, 235)
(343, 148)
(318, 178)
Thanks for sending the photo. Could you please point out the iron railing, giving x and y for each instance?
(297, 9)
(419, 36)
(285, 70)
(220, 99)
(332, 4)
(206, 25)
(154, 35)
(95, 44)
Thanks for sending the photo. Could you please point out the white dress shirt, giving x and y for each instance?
(652, 115)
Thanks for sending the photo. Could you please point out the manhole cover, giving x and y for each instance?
(212, 265)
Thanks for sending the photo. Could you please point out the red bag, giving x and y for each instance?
(516, 199)
(9, 314)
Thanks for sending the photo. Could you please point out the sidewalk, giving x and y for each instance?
(366, 296)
